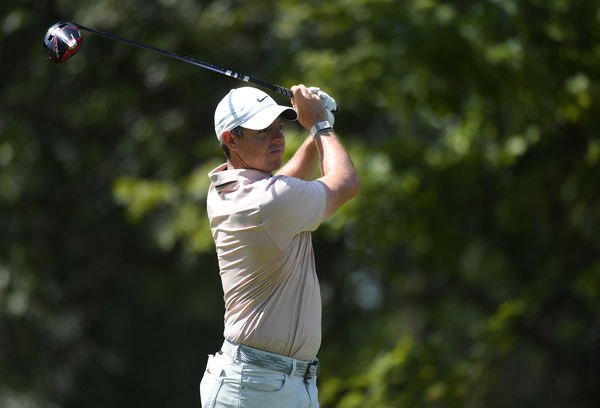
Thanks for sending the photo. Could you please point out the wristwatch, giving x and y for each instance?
(320, 126)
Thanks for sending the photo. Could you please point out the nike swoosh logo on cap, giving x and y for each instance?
(260, 100)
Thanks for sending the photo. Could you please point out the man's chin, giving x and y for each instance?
(276, 160)
(274, 165)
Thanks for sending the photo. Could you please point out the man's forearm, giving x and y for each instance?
(339, 174)
(302, 165)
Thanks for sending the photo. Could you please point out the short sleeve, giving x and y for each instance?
(291, 206)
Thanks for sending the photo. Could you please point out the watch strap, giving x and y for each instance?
(320, 126)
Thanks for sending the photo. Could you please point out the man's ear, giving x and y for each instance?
(229, 140)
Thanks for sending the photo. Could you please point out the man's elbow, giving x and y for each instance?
(356, 186)
(353, 186)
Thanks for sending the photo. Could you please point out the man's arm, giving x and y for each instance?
(302, 165)
(339, 175)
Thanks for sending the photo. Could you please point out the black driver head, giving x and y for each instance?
(62, 41)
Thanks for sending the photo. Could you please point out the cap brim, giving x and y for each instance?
(265, 117)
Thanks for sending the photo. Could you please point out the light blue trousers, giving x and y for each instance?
(229, 382)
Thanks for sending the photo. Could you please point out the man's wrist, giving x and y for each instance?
(320, 127)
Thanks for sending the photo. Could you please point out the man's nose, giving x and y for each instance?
(278, 134)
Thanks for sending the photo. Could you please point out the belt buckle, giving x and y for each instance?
(311, 370)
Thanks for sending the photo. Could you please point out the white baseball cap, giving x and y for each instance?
(250, 108)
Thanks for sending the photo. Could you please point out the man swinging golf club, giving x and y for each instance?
(261, 223)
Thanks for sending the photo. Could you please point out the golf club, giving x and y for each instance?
(63, 39)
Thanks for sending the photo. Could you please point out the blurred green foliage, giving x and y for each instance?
(466, 274)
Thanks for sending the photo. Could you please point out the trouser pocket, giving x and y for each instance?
(261, 379)
(220, 385)
(210, 384)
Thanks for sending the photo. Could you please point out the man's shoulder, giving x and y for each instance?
(282, 184)
(292, 191)
(291, 205)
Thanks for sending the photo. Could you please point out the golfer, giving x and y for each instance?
(261, 219)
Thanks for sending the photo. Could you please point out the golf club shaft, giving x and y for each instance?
(246, 78)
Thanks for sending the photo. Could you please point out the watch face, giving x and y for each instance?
(317, 127)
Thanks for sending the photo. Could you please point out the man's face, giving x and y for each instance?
(262, 149)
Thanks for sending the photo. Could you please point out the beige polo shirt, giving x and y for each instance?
(261, 226)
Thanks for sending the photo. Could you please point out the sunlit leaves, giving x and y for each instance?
(183, 216)
(142, 196)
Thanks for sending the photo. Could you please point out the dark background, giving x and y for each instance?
(466, 274)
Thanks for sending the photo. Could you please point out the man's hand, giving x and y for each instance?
(328, 102)
(309, 106)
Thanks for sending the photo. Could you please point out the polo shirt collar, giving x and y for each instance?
(221, 176)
